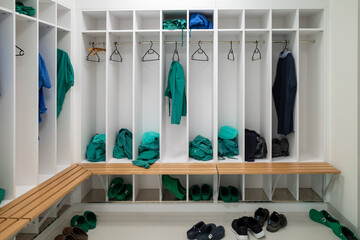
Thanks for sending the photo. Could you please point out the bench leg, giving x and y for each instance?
(332, 179)
(275, 185)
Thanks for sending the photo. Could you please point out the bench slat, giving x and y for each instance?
(10, 227)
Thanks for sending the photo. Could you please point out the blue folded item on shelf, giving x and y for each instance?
(199, 21)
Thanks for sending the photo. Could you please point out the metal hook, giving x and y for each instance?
(21, 52)
(116, 52)
(149, 52)
(176, 53)
(285, 48)
(231, 55)
(256, 52)
(199, 51)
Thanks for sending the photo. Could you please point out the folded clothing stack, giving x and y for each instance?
(255, 146)
(201, 149)
(280, 147)
(199, 21)
(228, 142)
(119, 191)
(123, 145)
(174, 186)
(21, 8)
(179, 23)
(148, 150)
(95, 151)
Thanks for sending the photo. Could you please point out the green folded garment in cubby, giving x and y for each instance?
(227, 142)
(148, 150)
(179, 23)
(21, 8)
(201, 149)
(123, 146)
(174, 186)
(95, 151)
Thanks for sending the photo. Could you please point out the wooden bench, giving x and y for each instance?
(10, 227)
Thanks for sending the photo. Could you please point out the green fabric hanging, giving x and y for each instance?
(123, 146)
(176, 24)
(65, 78)
(148, 150)
(176, 91)
(95, 151)
(201, 149)
(227, 142)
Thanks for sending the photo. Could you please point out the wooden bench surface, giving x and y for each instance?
(155, 169)
(277, 168)
(10, 227)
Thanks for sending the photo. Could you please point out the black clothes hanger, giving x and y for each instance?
(150, 52)
(285, 47)
(21, 52)
(256, 52)
(231, 55)
(96, 55)
(176, 53)
(116, 53)
(200, 51)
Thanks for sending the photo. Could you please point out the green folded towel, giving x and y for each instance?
(148, 150)
(201, 149)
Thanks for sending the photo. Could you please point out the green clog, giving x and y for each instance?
(323, 217)
(80, 221)
(125, 192)
(2, 194)
(224, 194)
(343, 232)
(116, 186)
(206, 192)
(234, 194)
(174, 186)
(91, 219)
(195, 193)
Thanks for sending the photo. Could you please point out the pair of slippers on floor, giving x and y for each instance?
(72, 233)
(119, 191)
(86, 221)
(326, 219)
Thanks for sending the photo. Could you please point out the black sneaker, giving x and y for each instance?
(276, 222)
(193, 232)
(211, 232)
(262, 215)
(239, 227)
(255, 227)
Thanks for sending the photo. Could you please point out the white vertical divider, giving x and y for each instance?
(107, 85)
(187, 188)
(243, 54)
(215, 86)
(134, 49)
(162, 78)
(187, 84)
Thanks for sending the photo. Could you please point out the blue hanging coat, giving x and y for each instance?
(44, 81)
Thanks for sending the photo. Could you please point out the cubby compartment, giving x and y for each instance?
(236, 181)
(7, 105)
(285, 188)
(119, 89)
(27, 107)
(258, 188)
(126, 193)
(231, 86)
(168, 196)
(64, 131)
(93, 91)
(257, 19)
(282, 39)
(209, 15)
(174, 14)
(284, 19)
(47, 11)
(147, 20)
(30, 3)
(7, 5)
(174, 136)
(258, 95)
(311, 85)
(64, 17)
(311, 18)
(201, 98)
(230, 19)
(94, 20)
(121, 20)
(147, 188)
(203, 181)
(311, 187)
(47, 127)
(94, 189)
(147, 87)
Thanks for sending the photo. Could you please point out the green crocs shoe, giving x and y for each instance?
(116, 186)
(125, 192)
(195, 193)
(91, 219)
(343, 232)
(323, 217)
(174, 186)
(2, 194)
(80, 221)
(224, 194)
(234, 194)
(206, 192)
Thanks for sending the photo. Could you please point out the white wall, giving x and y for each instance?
(342, 72)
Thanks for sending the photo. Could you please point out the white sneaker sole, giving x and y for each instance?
(240, 237)
(259, 235)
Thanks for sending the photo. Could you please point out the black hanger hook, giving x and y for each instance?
(230, 55)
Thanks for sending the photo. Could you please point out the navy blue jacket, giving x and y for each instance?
(284, 92)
